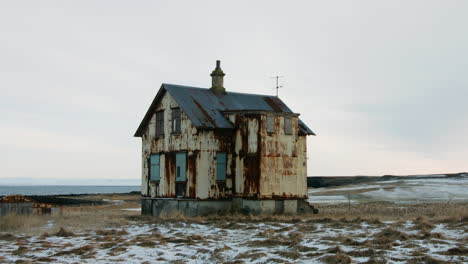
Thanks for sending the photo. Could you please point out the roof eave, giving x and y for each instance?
(141, 128)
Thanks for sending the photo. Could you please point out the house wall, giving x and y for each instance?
(259, 165)
(201, 147)
(283, 161)
(245, 155)
(268, 166)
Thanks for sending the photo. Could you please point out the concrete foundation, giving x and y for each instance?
(192, 207)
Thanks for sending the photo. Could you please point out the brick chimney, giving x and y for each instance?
(217, 79)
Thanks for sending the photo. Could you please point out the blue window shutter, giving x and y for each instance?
(181, 167)
(154, 167)
(220, 166)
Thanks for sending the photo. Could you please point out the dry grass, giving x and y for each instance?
(338, 258)
(75, 219)
(23, 223)
(389, 235)
(363, 253)
(347, 191)
(424, 215)
(87, 251)
(64, 233)
(425, 260)
(453, 212)
(373, 260)
(83, 219)
(275, 240)
(456, 251)
(288, 254)
(78, 221)
(251, 255)
(107, 222)
(116, 196)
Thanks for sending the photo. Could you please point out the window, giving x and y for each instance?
(270, 126)
(287, 126)
(221, 166)
(159, 123)
(181, 177)
(181, 161)
(176, 121)
(154, 168)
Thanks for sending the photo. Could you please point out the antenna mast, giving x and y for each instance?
(277, 83)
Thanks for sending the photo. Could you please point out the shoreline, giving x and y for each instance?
(76, 199)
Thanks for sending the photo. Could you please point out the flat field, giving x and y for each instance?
(408, 191)
(359, 232)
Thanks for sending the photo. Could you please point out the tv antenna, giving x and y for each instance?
(277, 83)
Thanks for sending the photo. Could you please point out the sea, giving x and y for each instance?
(64, 189)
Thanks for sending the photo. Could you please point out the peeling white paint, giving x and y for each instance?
(281, 159)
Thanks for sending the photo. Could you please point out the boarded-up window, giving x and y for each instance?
(159, 123)
(154, 167)
(220, 166)
(287, 126)
(270, 126)
(176, 120)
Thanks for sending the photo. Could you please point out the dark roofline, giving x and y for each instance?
(260, 111)
(202, 88)
(271, 101)
(141, 128)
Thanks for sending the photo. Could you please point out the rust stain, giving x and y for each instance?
(16, 199)
(170, 165)
(273, 170)
(252, 160)
(222, 189)
(225, 139)
(287, 164)
(192, 169)
(251, 174)
(277, 124)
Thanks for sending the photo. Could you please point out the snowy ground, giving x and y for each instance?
(319, 241)
(336, 235)
(398, 191)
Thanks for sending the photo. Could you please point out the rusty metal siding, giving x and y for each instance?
(20, 204)
(283, 167)
(252, 125)
(245, 154)
(258, 164)
(201, 147)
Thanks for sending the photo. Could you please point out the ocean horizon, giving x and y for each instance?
(66, 189)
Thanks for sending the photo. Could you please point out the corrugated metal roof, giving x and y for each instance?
(204, 108)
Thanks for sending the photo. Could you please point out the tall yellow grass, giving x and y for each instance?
(91, 218)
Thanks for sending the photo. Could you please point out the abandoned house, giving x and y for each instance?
(216, 151)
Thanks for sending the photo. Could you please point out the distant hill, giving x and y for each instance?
(324, 181)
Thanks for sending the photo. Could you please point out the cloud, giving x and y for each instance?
(36, 153)
(33, 138)
(382, 83)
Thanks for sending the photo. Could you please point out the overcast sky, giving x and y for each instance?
(384, 84)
